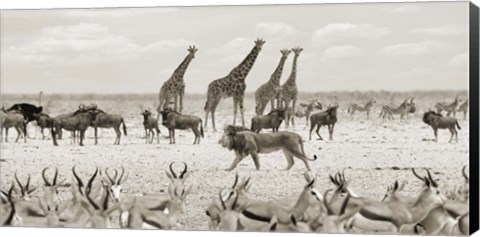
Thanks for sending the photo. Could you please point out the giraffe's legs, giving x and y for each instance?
(272, 105)
(181, 102)
(286, 104)
(242, 111)
(293, 109)
(235, 106)
(175, 103)
(212, 109)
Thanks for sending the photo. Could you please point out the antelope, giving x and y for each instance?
(151, 126)
(399, 213)
(366, 108)
(228, 215)
(293, 226)
(141, 217)
(99, 214)
(114, 185)
(311, 106)
(450, 108)
(341, 191)
(437, 121)
(337, 222)
(464, 108)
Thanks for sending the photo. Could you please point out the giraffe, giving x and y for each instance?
(175, 85)
(289, 89)
(268, 91)
(232, 85)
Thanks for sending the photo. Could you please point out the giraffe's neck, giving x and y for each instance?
(241, 71)
(293, 74)
(182, 68)
(278, 72)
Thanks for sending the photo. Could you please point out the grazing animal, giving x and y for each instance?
(336, 222)
(175, 85)
(272, 120)
(151, 126)
(268, 92)
(174, 120)
(104, 120)
(232, 85)
(78, 121)
(464, 108)
(309, 108)
(366, 108)
(246, 143)
(289, 90)
(13, 119)
(408, 106)
(437, 121)
(450, 108)
(327, 117)
(45, 121)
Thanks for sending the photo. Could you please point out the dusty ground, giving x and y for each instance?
(373, 154)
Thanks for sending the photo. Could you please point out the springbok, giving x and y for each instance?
(399, 213)
(13, 119)
(366, 108)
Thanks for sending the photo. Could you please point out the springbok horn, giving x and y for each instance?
(19, 184)
(28, 183)
(311, 183)
(434, 183)
(45, 178)
(89, 188)
(221, 200)
(184, 170)
(418, 176)
(121, 176)
(80, 183)
(171, 171)
(325, 202)
(236, 181)
(55, 176)
(344, 204)
(112, 181)
(235, 202)
(464, 172)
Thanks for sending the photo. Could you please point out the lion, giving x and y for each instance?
(245, 142)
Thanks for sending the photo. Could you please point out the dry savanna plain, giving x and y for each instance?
(373, 153)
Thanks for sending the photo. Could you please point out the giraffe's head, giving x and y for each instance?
(285, 52)
(259, 43)
(192, 50)
(297, 51)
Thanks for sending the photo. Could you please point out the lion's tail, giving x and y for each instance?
(303, 151)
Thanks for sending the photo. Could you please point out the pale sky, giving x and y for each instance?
(382, 46)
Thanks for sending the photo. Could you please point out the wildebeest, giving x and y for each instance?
(104, 120)
(151, 126)
(327, 117)
(272, 120)
(78, 121)
(45, 121)
(437, 121)
(174, 120)
(13, 119)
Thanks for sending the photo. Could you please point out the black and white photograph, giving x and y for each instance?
(327, 118)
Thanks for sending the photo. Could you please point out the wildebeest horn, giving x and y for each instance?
(171, 170)
(184, 170)
(325, 202)
(236, 181)
(464, 173)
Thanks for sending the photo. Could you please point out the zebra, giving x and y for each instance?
(366, 108)
(464, 108)
(449, 108)
(408, 106)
